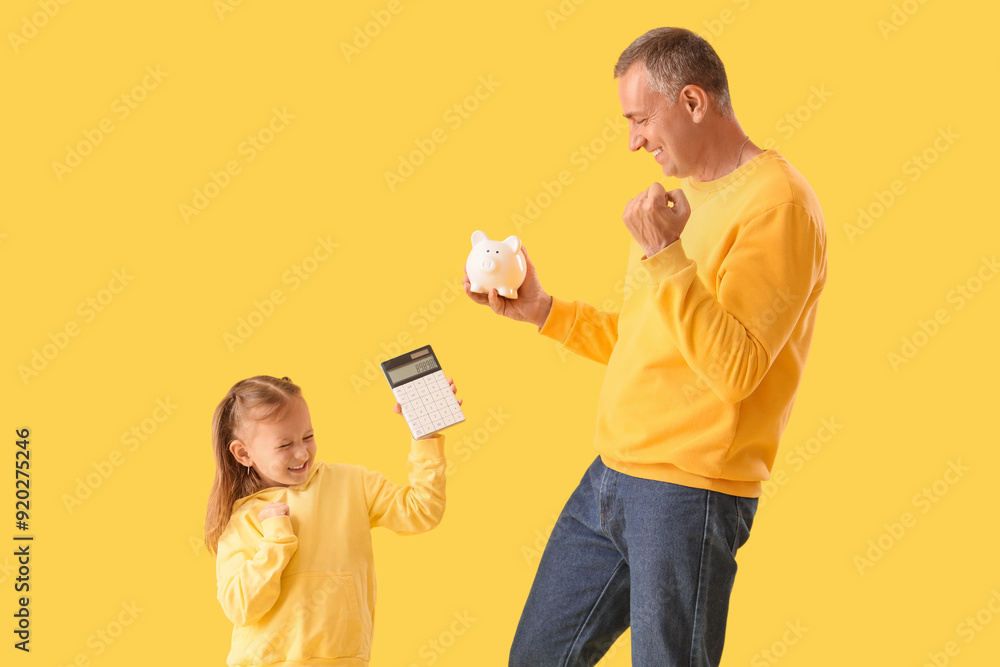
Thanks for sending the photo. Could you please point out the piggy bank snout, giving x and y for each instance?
(488, 265)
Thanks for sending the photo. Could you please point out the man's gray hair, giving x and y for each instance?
(674, 58)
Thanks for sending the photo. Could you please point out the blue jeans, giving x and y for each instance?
(628, 551)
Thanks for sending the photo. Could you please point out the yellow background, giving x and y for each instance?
(136, 538)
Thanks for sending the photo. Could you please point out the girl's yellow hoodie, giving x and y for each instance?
(300, 589)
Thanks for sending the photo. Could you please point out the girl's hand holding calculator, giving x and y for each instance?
(425, 398)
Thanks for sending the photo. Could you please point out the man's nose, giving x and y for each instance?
(635, 139)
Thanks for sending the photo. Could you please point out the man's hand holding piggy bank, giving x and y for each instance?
(499, 274)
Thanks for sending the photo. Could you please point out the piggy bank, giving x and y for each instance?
(498, 264)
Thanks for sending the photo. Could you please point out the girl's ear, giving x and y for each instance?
(239, 451)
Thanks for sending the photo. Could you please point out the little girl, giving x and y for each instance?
(292, 535)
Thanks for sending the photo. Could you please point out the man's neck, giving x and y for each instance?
(727, 149)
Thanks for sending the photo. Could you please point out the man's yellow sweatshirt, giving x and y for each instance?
(300, 589)
(704, 360)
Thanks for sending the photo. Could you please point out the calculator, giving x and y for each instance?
(423, 391)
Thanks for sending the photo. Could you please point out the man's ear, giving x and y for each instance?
(695, 101)
(240, 452)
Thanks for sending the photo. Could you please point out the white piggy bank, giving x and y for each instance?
(498, 264)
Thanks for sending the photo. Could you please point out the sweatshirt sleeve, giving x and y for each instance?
(249, 565)
(582, 329)
(415, 507)
(764, 283)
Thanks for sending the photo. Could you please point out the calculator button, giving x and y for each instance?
(440, 405)
(420, 411)
(418, 383)
(437, 395)
(399, 392)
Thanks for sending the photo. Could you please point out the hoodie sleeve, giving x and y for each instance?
(249, 564)
(582, 329)
(415, 507)
(770, 276)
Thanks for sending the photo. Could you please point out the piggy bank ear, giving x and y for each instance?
(513, 242)
(478, 237)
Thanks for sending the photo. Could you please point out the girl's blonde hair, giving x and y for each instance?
(259, 398)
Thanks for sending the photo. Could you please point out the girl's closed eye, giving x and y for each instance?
(308, 437)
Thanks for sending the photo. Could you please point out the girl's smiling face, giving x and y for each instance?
(281, 451)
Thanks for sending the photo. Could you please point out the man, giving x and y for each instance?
(703, 364)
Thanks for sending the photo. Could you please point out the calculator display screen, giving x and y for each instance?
(412, 369)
